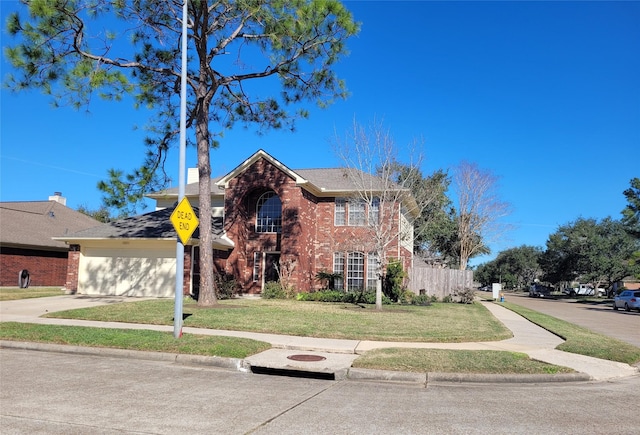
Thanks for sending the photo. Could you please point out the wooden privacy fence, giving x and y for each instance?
(438, 282)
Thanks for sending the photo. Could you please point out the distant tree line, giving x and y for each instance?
(599, 252)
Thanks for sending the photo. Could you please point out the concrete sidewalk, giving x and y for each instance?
(332, 356)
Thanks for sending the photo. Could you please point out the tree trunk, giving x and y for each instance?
(207, 295)
(379, 294)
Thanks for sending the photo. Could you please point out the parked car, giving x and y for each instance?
(628, 299)
(584, 290)
(539, 291)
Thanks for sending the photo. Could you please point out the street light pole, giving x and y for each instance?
(177, 316)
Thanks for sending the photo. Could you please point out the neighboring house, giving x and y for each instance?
(629, 283)
(268, 220)
(26, 243)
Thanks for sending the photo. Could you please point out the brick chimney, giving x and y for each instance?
(57, 197)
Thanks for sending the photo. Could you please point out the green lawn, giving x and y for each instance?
(15, 293)
(581, 340)
(441, 323)
(455, 361)
(157, 341)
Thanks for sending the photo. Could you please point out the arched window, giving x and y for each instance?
(269, 213)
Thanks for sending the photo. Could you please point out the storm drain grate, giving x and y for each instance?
(306, 358)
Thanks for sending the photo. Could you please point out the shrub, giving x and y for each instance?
(406, 297)
(393, 281)
(273, 290)
(226, 285)
(423, 300)
(322, 296)
(369, 297)
(350, 297)
(466, 295)
(328, 278)
(447, 299)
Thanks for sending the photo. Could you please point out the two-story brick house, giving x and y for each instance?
(268, 220)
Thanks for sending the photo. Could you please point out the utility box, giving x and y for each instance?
(497, 289)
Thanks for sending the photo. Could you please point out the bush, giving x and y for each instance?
(406, 297)
(350, 297)
(447, 299)
(466, 295)
(273, 290)
(423, 300)
(226, 285)
(322, 296)
(393, 281)
(369, 297)
(328, 278)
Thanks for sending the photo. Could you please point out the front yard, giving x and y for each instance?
(440, 322)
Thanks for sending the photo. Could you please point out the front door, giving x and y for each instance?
(271, 265)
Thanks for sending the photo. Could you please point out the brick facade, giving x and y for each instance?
(46, 268)
(73, 264)
(308, 238)
(304, 244)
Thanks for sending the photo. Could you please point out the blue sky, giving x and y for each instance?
(546, 95)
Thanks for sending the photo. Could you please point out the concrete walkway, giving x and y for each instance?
(336, 356)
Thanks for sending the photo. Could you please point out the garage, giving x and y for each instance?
(132, 268)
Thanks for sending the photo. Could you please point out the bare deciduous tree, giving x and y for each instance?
(384, 186)
(479, 211)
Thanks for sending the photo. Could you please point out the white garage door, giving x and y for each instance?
(140, 272)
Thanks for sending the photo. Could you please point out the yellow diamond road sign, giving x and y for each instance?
(184, 220)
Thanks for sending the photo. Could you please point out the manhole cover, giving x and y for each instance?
(308, 358)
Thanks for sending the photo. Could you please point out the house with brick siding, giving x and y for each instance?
(27, 229)
(268, 220)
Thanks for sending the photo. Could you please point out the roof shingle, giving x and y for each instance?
(33, 223)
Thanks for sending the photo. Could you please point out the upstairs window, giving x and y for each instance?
(269, 213)
(374, 211)
(356, 212)
(341, 209)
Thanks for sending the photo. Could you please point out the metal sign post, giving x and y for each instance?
(177, 315)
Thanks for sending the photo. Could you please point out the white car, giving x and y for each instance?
(628, 299)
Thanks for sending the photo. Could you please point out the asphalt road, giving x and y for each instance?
(600, 318)
(52, 393)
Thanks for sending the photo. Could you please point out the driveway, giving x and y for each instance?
(599, 318)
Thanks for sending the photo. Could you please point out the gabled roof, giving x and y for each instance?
(260, 154)
(32, 224)
(155, 225)
(320, 182)
(336, 181)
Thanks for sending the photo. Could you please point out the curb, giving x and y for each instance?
(457, 378)
(356, 374)
(179, 358)
(506, 378)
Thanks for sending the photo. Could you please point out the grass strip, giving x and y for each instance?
(155, 341)
(440, 322)
(581, 340)
(15, 293)
(455, 361)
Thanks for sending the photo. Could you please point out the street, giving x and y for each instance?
(599, 318)
(52, 393)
